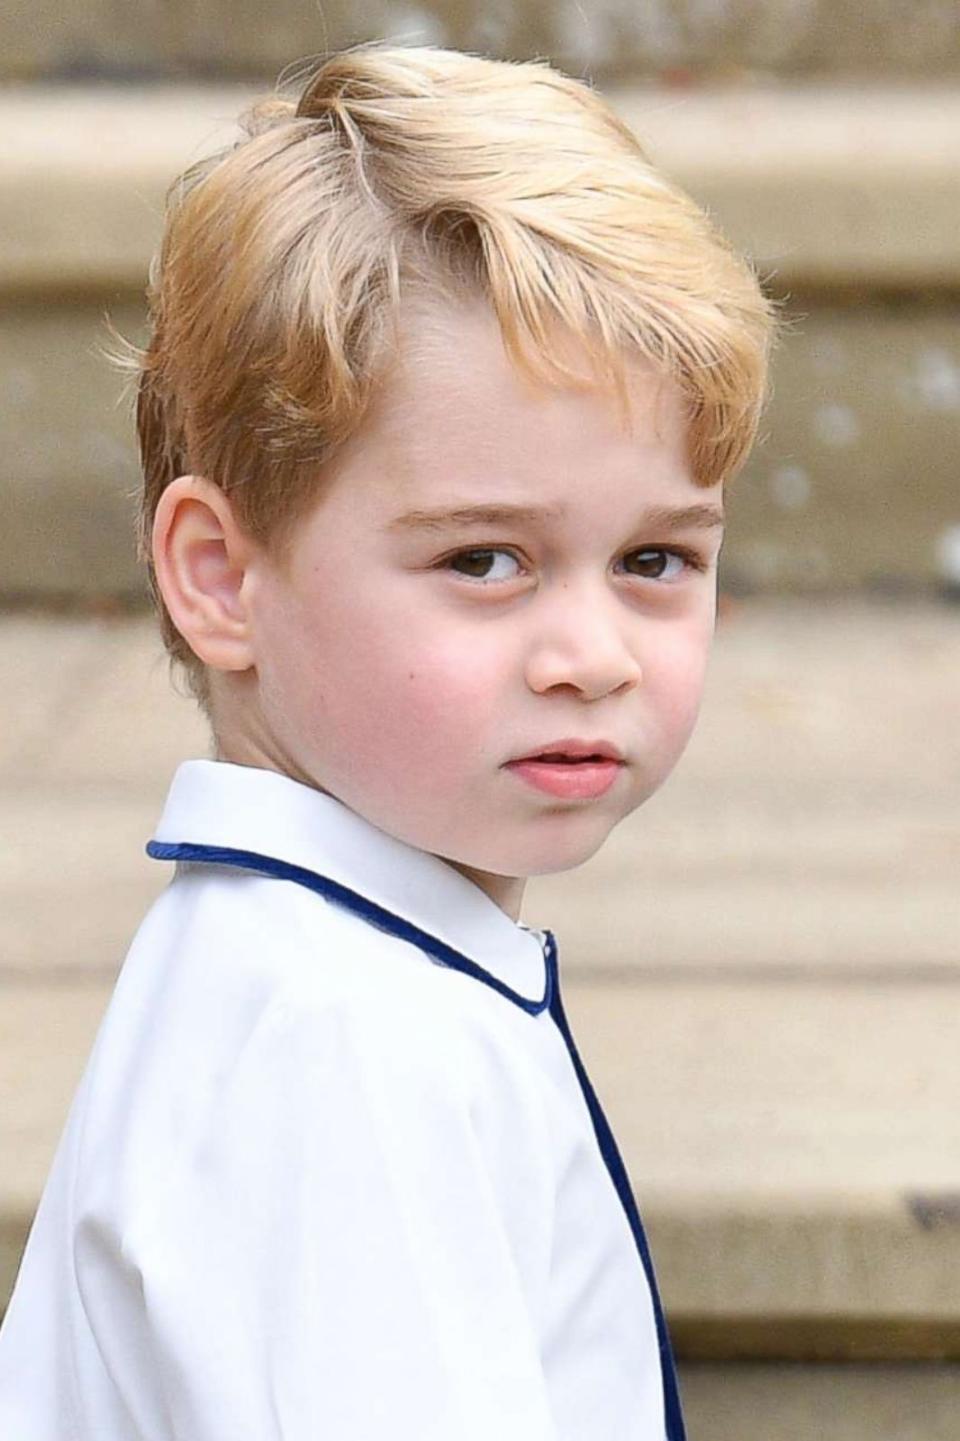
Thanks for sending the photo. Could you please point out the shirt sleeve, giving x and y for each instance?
(357, 1248)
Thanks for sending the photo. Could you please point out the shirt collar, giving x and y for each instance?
(216, 803)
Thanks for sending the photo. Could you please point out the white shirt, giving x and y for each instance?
(330, 1173)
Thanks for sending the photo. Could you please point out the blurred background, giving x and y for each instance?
(763, 964)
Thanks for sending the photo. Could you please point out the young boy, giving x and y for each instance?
(443, 388)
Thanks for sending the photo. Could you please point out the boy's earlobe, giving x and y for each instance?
(200, 558)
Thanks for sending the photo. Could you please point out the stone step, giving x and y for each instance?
(811, 1403)
(844, 197)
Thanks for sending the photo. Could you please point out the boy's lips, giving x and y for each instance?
(575, 769)
(570, 749)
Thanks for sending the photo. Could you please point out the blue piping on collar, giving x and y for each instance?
(374, 914)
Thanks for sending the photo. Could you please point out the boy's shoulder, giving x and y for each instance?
(251, 1013)
(221, 942)
(229, 962)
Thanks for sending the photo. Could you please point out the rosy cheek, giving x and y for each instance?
(446, 692)
(679, 686)
(439, 699)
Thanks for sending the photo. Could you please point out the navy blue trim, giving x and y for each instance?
(618, 1174)
(341, 895)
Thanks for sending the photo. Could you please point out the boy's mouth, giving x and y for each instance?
(575, 770)
(557, 758)
(570, 752)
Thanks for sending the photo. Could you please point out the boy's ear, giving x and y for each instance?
(200, 558)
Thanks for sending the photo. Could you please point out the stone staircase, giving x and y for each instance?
(763, 964)
(847, 200)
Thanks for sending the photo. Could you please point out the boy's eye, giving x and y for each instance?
(659, 564)
(485, 564)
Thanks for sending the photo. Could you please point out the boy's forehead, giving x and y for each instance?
(452, 408)
(447, 350)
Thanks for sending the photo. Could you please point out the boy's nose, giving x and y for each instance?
(585, 651)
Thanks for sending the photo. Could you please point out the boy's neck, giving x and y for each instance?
(504, 891)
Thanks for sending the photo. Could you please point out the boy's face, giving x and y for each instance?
(490, 575)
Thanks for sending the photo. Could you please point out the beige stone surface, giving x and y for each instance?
(68, 470)
(46, 1032)
(84, 172)
(45, 1036)
(805, 1403)
(91, 732)
(794, 1146)
(823, 186)
(855, 481)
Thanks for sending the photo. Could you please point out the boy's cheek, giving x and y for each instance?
(677, 689)
(446, 677)
(414, 706)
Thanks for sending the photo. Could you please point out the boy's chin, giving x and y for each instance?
(567, 858)
(544, 855)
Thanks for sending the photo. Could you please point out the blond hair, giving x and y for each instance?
(285, 259)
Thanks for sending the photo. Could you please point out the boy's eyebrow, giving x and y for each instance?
(697, 517)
